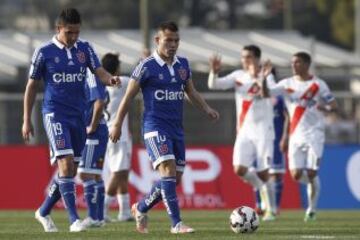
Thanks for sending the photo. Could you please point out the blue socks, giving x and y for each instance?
(165, 190)
(90, 195)
(67, 190)
(100, 200)
(168, 193)
(279, 185)
(151, 199)
(52, 197)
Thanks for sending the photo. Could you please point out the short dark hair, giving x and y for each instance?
(171, 26)
(254, 49)
(304, 56)
(68, 16)
(111, 62)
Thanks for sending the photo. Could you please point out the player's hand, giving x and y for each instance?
(213, 114)
(215, 63)
(27, 131)
(90, 129)
(115, 81)
(266, 68)
(115, 133)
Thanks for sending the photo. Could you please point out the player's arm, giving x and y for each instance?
(196, 99)
(99, 105)
(284, 141)
(29, 99)
(106, 78)
(216, 82)
(131, 91)
(328, 103)
(331, 106)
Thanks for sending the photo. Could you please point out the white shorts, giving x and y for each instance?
(118, 156)
(305, 155)
(251, 152)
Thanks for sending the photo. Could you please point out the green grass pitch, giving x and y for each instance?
(212, 224)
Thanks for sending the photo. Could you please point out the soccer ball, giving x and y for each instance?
(244, 220)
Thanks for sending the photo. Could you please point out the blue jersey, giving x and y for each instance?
(163, 89)
(64, 72)
(94, 90)
(279, 119)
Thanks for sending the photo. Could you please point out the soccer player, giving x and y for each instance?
(277, 165)
(165, 80)
(118, 155)
(307, 97)
(91, 163)
(255, 129)
(61, 63)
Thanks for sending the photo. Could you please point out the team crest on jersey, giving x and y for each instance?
(60, 143)
(163, 148)
(56, 59)
(182, 73)
(81, 57)
(161, 76)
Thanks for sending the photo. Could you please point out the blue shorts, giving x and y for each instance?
(66, 135)
(277, 164)
(92, 160)
(161, 147)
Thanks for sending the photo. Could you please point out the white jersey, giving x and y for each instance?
(302, 98)
(254, 114)
(115, 96)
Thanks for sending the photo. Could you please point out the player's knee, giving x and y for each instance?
(311, 174)
(296, 174)
(240, 170)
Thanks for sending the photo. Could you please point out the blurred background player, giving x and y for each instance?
(255, 130)
(61, 63)
(164, 79)
(92, 161)
(277, 166)
(118, 155)
(307, 97)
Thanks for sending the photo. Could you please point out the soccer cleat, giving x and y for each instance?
(101, 223)
(310, 217)
(181, 228)
(77, 226)
(140, 218)
(47, 223)
(123, 218)
(269, 216)
(90, 223)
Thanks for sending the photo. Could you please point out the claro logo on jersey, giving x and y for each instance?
(167, 95)
(69, 77)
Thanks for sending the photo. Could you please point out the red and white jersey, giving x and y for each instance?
(115, 95)
(302, 99)
(254, 114)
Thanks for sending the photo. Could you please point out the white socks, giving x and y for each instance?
(124, 205)
(313, 192)
(107, 202)
(252, 178)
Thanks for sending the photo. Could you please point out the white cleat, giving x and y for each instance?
(47, 223)
(140, 218)
(90, 223)
(181, 228)
(77, 226)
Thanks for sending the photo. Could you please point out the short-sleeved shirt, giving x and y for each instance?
(94, 90)
(64, 73)
(302, 99)
(163, 89)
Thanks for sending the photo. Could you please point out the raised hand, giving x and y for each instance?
(215, 63)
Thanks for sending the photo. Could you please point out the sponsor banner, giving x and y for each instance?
(208, 181)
